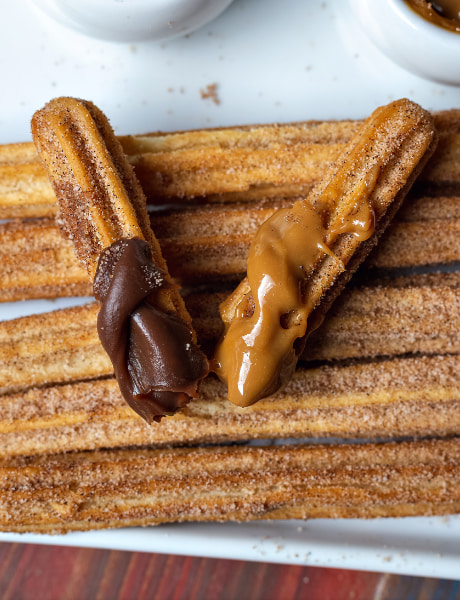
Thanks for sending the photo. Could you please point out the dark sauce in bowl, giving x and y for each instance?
(443, 13)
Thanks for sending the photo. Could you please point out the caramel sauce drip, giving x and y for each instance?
(283, 254)
(269, 310)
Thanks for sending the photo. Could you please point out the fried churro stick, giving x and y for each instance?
(301, 258)
(143, 323)
(212, 243)
(417, 315)
(238, 163)
(391, 398)
(119, 488)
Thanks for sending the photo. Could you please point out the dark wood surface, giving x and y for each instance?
(51, 572)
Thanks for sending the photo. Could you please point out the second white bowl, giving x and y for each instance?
(409, 40)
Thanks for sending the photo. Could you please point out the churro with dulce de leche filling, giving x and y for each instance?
(301, 257)
(143, 323)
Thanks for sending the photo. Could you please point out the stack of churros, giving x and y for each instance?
(379, 365)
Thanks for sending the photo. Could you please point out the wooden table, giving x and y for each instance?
(52, 572)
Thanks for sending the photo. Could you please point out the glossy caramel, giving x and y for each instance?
(287, 272)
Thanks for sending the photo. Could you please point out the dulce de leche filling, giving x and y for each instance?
(258, 348)
(289, 273)
(156, 363)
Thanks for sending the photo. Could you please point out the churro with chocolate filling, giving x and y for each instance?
(143, 323)
(302, 257)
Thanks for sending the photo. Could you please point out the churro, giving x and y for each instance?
(212, 243)
(119, 488)
(143, 323)
(394, 346)
(301, 258)
(390, 398)
(238, 163)
(367, 321)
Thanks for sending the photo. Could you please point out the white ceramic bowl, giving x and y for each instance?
(409, 40)
(132, 20)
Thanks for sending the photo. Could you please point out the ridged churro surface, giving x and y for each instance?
(393, 347)
(212, 244)
(302, 257)
(417, 315)
(100, 199)
(239, 163)
(396, 397)
(119, 488)
(103, 211)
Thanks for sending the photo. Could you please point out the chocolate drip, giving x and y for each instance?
(156, 363)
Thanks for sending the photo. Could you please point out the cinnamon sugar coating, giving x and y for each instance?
(67, 399)
(391, 398)
(212, 243)
(230, 164)
(302, 258)
(419, 316)
(120, 488)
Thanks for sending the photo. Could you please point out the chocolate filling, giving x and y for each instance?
(156, 363)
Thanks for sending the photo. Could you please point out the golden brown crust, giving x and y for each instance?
(400, 396)
(397, 397)
(374, 174)
(213, 163)
(212, 243)
(36, 262)
(393, 397)
(411, 315)
(54, 347)
(119, 488)
(99, 196)
(367, 321)
(25, 190)
(100, 200)
(398, 169)
(103, 211)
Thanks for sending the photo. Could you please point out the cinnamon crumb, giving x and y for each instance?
(210, 92)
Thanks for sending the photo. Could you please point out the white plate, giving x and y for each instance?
(271, 61)
(412, 546)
